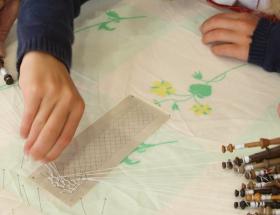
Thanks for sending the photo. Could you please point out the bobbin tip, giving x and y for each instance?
(247, 175)
(223, 149)
(240, 169)
(230, 148)
(242, 193)
(8, 79)
(229, 164)
(236, 193)
(249, 198)
(260, 179)
(238, 161)
(235, 205)
(224, 165)
(242, 205)
(250, 185)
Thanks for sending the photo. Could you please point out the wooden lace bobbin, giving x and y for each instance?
(253, 174)
(268, 190)
(254, 205)
(267, 178)
(260, 197)
(253, 185)
(263, 143)
(268, 211)
(258, 157)
(262, 165)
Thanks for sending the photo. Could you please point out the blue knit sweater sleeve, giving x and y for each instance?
(265, 47)
(47, 26)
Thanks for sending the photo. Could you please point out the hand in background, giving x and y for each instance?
(8, 14)
(53, 106)
(230, 34)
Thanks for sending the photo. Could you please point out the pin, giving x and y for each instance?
(39, 198)
(7, 77)
(3, 178)
(102, 212)
(22, 161)
(83, 207)
(25, 195)
(19, 187)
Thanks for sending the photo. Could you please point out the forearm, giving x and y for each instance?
(47, 26)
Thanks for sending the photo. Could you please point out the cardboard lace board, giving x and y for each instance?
(103, 145)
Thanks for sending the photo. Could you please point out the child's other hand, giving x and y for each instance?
(53, 106)
(230, 34)
(8, 15)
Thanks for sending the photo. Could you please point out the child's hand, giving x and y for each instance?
(53, 106)
(230, 34)
(8, 15)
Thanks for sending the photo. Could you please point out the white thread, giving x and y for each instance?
(246, 159)
(3, 71)
(249, 192)
(249, 167)
(276, 176)
(239, 146)
(265, 197)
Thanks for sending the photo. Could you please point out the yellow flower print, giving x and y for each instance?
(162, 88)
(201, 109)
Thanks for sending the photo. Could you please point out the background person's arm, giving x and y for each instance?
(265, 46)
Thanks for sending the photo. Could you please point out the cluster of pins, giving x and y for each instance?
(262, 170)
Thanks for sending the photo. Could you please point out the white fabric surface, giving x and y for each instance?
(158, 56)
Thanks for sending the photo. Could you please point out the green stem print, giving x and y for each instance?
(196, 92)
(143, 147)
(112, 18)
